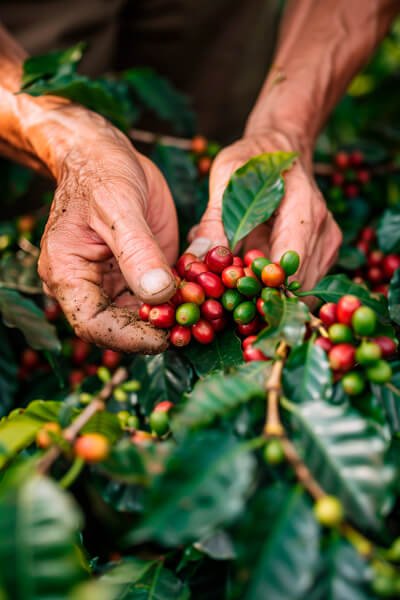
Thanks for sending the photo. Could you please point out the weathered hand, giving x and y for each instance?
(302, 222)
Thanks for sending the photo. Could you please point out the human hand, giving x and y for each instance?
(301, 223)
(112, 230)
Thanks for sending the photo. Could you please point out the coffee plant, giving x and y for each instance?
(258, 456)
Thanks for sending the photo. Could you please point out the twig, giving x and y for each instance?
(302, 472)
(317, 325)
(273, 425)
(28, 247)
(148, 137)
(71, 432)
(327, 169)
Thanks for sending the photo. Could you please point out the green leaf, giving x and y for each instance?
(287, 318)
(219, 394)
(157, 94)
(204, 486)
(394, 297)
(350, 258)
(163, 376)
(23, 314)
(388, 396)
(8, 373)
(128, 462)
(333, 287)
(19, 429)
(224, 352)
(342, 575)
(62, 62)
(253, 193)
(347, 455)
(280, 560)
(105, 423)
(307, 375)
(218, 546)
(388, 231)
(39, 526)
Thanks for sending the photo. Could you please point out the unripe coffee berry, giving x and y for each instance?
(380, 372)
(231, 275)
(92, 447)
(248, 286)
(211, 284)
(353, 383)
(187, 314)
(290, 262)
(231, 299)
(364, 321)
(218, 258)
(244, 313)
(339, 333)
(212, 309)
(328, 511)
(346, 307)
(180, 336)
(159, 422)
(328, 314)
(368, 353)
(203, 332)
(324, 343)
(192, 292)
(273, 275)
(162, 316)
(46, 435)
(273, 452)
(258, 264)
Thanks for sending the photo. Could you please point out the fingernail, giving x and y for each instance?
(155, 281)
(200, 246)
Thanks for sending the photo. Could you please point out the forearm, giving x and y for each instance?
(322, 46)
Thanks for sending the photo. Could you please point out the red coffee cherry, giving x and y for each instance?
(386, 344)
(92, 447)
(390, 264)
(356, 158)
(368, 234)
(219, 324)
(180, 336)
(199, 144)
(341, 357)
(192, 292)
(163, 406)
(250, 354)
(184, 261)
(324, 343)
(91, 369)
(246, 329)
(144, 311)
(111, 359)
(203, 332)
(351, 190)
(80, 351)
(247, 342)
(363, 176)
(248, 272)
(218, 258)
(176, 299)
(204, 165)
(375, 275)
(381, 288)
(375, 258)
(260, 306)
(231, 275)
(211, 284)
(328, 314)
(363, 246)
(346, 307)
(194, 269)
(237, 261)
(252, 255)
(76, 377)
(162, 316)
(342, 160)
(212, 309)
(273, 275)
(30, 359)
(337, 179)
(52, 310)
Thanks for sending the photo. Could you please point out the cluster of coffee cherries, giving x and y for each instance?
(204, 152)
(379, 268)
(356, 353)
(221, 289)
(350, 174)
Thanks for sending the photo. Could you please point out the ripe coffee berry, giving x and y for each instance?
(368, 234)
(247, 342)
(258, 264)
(194, 269)
(144, 311)
(199, 144)
(203, 332)
(390, 264)
(30, 359)
(250, 354)
(368, 353)
(244, 313)
(252, 255)
(231, 299)
(46, 435)
(353, 383)
(111, 359)
(218, 258)
(382, 288)
(352, 190)
(159, 422)
(180, 336)
(324, 343)
(363, 176)
(364, 321)
(328, 314)
(76, 377)
(375, 275)
(231, 275)
(204, 165)
(187, 314)
(92, 447)
(375, 258)
(342, 160)
(273, 275)
(249, 328)
(248, 286)
(237, 261)
(337, 179)
(290, 262)
(260, 305)
(80, 351)
(341, 357)
(192, 292)
(328, 511)
(346, 307)
(211, 284)
(387, 345)
(162, 316)
(176, 299)
(339, 333)
(356, 158)
(363, 246)
(380, 372)
(184, 261)
(219, 324)
(212, 309)
(163, 406)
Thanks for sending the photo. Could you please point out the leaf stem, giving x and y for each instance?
(73, 472)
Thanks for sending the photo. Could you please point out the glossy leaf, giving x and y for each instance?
(282, 557)
(342, 574)
(347, 456)
(388, 231)
(204, 486)
(219, 394)
(253, 193)
(105, 423)
(333, 287)
(350, 258)
(62, 62)
(39, 526)
(22, 313)
(8, 373)
(224, 352)
(307, 375)
(218, 546)
(388, 395)
(394, 297)
(286, 322)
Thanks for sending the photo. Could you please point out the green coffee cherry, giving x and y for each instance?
(123, 416)
(380, 372)
(103, 374)
(364, 321)
(244, 313)
(268, 293)
(273, 452)
(85, 398)
(353, 383)
(187, 313)
(131, 386)
(258, 264)
(368, 353)
(231, 299)
(248, 286)
(290, 262)
(133, 422)
(120, 395)
(328, 511)
(340, 334)
(159, 422)
(294, 286)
